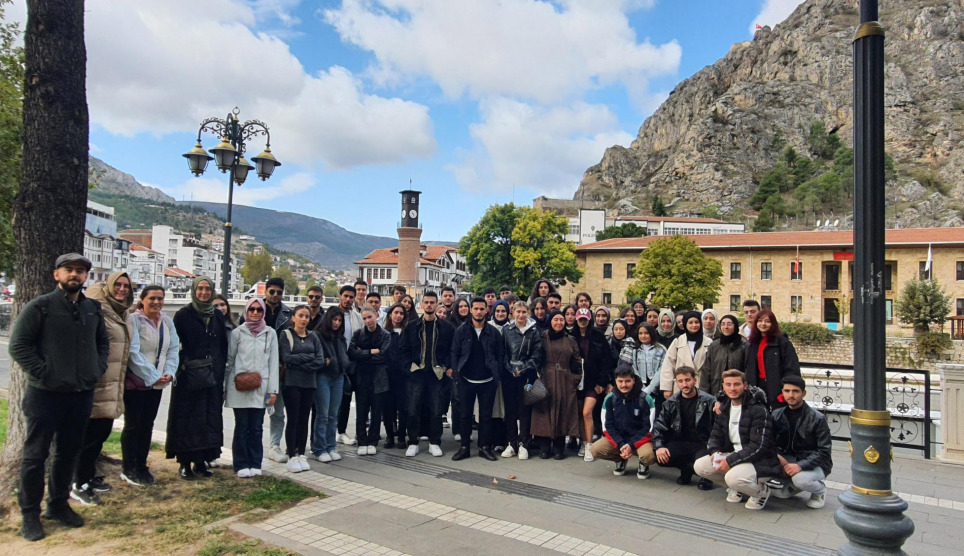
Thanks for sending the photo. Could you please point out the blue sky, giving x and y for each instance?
(476, 101)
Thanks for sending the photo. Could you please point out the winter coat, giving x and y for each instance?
(149, 361)
(679, 355)
(370, 370)
(627, 418)
(397, 370)
(109, 392)
(669, 422)
(303, 358)
(647, 363)
(809, 445)
(598, 363)
(61, 346)
(780, 360)
(757, 435)
(721, 357)
(411, 346)
(492, 348)
(250, 353)
(558, 414)
(525, 346)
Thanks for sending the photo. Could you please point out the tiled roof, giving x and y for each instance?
(139, 247)
(175, 272)
(909, 236)
(389, 256)
(681, 219)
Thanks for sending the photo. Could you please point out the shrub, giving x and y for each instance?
(807, 333)
(847, 332)
(931, 344)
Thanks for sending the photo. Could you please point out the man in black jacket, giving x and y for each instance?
(277, 315)
(683, 428)
(741, 445)
(426, 348)
(803, 444)
(477, 353)
(61, 343)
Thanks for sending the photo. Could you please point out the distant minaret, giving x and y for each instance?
(409, 239)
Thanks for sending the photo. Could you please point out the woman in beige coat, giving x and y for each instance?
(687, 350)
(116, 297)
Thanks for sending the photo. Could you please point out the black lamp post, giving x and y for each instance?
(871, 516)
(229, 157)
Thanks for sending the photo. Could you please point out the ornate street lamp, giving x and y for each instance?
(228, 155)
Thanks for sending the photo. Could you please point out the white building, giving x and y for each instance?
(189, 254)
(583, 226)
(100, 220)
(106, 254)
(146, 266)
(437, 266)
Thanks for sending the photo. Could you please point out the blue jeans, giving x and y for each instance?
(327, 401)
(247, 447)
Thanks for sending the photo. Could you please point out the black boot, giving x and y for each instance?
(32, 529)
(186, 473)
(201, 470)
(559, 448)
(64, 514)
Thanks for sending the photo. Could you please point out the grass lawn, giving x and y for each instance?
(168, 518)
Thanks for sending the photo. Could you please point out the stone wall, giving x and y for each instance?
(901, 353)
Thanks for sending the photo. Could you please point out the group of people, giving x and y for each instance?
(685, 391)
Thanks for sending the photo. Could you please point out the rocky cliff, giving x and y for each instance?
(722, 128)
(108, 179)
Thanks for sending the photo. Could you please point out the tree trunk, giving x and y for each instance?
(50, 209)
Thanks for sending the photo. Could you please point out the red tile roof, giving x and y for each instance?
(776, 240)
(389, 256)
(175, 272)
(682, 219)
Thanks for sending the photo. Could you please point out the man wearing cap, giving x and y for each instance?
(61, 343)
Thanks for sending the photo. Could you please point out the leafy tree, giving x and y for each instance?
(487, 247)
(770, 185)
(712, 211)
(11, 132)
(921, 303)
(675, 273)
(257, 267)
(658, 208)
(764, 222)
(627, 229)
(291, 283)
(331, 288)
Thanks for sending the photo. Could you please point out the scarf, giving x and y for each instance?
(553, 335)
(693, 336)
(119, 307)
(706, 332)
(507, 313)
(255, 326)
(659, 328)
(735, 336)
(425, 325)
(205, 308)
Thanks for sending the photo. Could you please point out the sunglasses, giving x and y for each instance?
(255, 310)
(276, 292)
(314, 297)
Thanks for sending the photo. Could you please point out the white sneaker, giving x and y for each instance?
(435, 450)
(642, 472)
(817, 501)
(362, 451)
(757, 502)
(411, 451)
(523, 453)
(508, 452)
(587, 456)
(343, 438)
(214, 464)
(294, 465)
(582, 450)
(255, 472)
(371, 451)
(244, 473)
(275, 454)
(335, 456)
(733, 496)
(304, 463)
(324, 457)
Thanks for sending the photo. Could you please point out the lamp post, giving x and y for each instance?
(872, 516)
(229, 158)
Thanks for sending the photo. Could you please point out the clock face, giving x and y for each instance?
(413, 213)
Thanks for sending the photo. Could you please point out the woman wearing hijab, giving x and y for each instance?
(557, 417)
(253, 349)
(769, 357)
(666, 331)
(195, 429)
(710, 328)
(500, 314)
(601, 320)
(621, 344)
(639, 309)
(116, 297)
(688, 350)
(728, 352)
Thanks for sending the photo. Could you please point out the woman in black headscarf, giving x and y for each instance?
(558, 415)
(689, 350)
(728, 352)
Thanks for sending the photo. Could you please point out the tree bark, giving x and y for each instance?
(50, 209)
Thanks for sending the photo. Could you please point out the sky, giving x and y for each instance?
(472, 102)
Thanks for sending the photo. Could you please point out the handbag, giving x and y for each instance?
(535, 393)
(197, 374)
(247, 381)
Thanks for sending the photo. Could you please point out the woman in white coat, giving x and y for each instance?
(688, 350)
(253, 349)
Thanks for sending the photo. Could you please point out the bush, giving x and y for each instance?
(847, 332)
(931, 344)
(807, 333)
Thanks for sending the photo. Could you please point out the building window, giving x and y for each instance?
(607, 299)
(607, 270)
(960, 271)
(369, 275)
(766, 271)
(796, 270)
(923, 271)
(765, 301)
(736, 303)
(736, 271)
(389, 274)
(796, 303)
(630, 270)
(574, 229)
(960, 308)
(888, 311)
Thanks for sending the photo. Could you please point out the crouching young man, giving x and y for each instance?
(626, 426)
(741, 446)
(803, 444)
(683, 427)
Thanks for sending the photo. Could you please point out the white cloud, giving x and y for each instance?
(544, 148)
(532, 50)
(215, 188)
(773, 12)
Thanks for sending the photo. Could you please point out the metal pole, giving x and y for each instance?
(235, 138)
(871, 515)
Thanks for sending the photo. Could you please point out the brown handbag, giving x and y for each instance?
(245, 382)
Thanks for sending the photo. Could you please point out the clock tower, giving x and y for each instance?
(409, 239)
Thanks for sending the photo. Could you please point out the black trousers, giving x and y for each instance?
(298, 402)
(423, 405)
(140, 410)
(683, 454)
(450, 397)
(50, 416)
(395, 412)
(97, 432)
(518, 416)
(343, 410)
(367, 428)
(469, 392)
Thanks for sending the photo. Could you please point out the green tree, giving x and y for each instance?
(11, 135)
(770, 185)
(257, 268)
(291, 283)
(921, 303)
(331, 288)
(309, 282)
(627, 229)
(487, 247)
(658, 208)
(675, 273)
(790, 157)
(711, 211)
(764, 222)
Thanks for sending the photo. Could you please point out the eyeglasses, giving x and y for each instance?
(314, 297)
(276, 292)
(255, 310)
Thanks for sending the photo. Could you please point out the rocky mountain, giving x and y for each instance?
(110, 180)
(723, 128)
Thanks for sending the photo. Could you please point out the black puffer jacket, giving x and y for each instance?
(598, 363)
(523, 346)
(669, 421)
(721, 357)
(756, 435)
(808, 445)
(370, 370)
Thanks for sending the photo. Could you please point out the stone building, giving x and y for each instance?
(762, 266)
